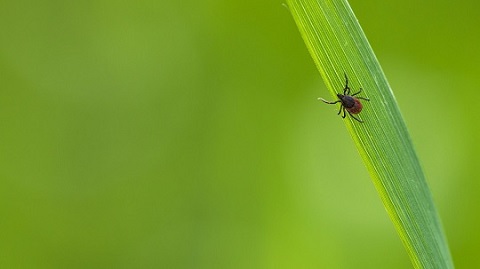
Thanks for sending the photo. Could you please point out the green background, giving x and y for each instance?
(187, 134)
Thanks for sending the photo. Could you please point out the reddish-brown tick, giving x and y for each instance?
(350, 103)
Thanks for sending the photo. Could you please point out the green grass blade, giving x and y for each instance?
(338, 45)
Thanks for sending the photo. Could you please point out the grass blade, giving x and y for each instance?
(338, 45)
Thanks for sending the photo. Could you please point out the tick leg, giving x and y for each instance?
(355, 117)
(357, 92)
(340, 110)
(328, 102)
(344, 115)
(363, 98)
(346, 90)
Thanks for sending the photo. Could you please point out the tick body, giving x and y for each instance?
(348, 102)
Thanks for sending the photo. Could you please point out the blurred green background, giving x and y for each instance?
(156, 134)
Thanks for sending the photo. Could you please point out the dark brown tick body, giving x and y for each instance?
(350, 103)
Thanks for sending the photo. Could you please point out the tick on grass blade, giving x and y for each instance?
(348, 102)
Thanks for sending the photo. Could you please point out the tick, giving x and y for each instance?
(348, 102)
